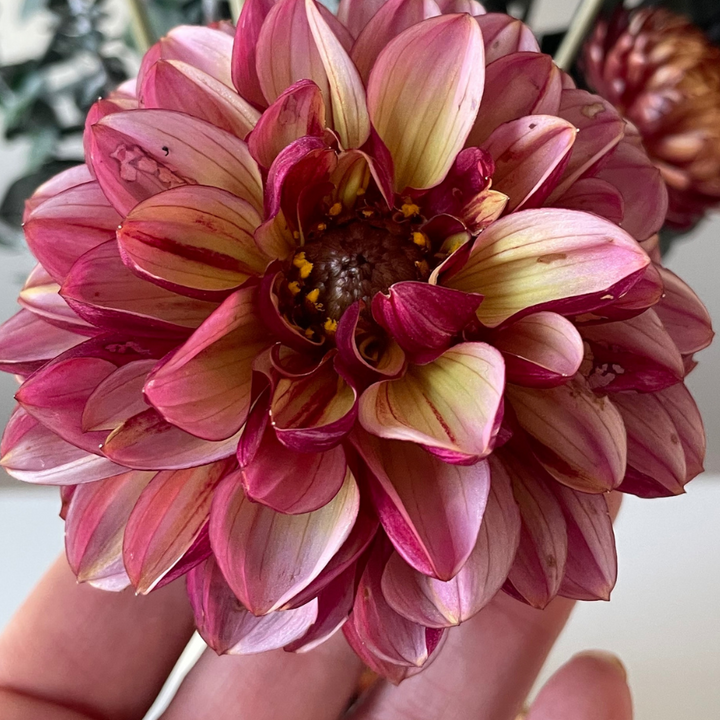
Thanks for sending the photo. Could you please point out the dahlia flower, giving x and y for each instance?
(663, 74)
(348, 320)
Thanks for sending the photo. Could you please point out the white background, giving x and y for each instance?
(664, 618)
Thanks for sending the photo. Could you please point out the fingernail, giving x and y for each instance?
(606, 657)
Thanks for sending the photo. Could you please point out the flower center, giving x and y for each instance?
(351, 260)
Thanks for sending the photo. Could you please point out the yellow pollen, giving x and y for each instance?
(409, 209)
(294, 287)
(330, 326)
(304, 266)
(420, 239)
(313, 295)
(368, 213)
(309, 332)
(321, 227)
(361, 191)
(296, 235)
(335, 210)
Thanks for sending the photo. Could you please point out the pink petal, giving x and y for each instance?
(683, 315)
(227, 627)
(424, 319)
(504, 35)
(516, 85)
(72, 177)
(140, 153)
(435, 603)
(298, 111)
(146, 441)
(450, 405)
(425, 129)
(355, 14)
(167, 519)
(539, 564)
(95, 525)
(540, 350)
(268, 557)
(681, 407)
(635, 354)
(529, 153)
(596, 196)
(103, 291)
(559, 260)
(461, 6)
(193, 239)
(578, 438)
(430, 510)
(292, 482)
(244, 72)
(177, 85)
(387, 23)
(204, 388)
(313, 413)
(28, 342)
(656, 459)
(197, 553)
(591, 567)
(66, 226)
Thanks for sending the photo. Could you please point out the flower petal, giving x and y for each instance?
(140, 153)
(72, 177)
(424, 319)
(579, 438)
(292, 482)
(95, 525)
(450, 405)
(298, 111)
(425, 129)
(528, 153)
(204, 388)
(244, 69)
(679, 404)
(504, 35)
(540, 350)
(430, 510)
(560, 260)
(596, 196)
(268, 557)
(166, 520)
(193, 239)
(355, 14)
(228, 627)
(591, 567)
(435, 603)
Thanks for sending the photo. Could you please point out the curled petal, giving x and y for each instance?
(450, 405)
(591, 567)
(140, 153)
(635, 354)
(177, 85)
(244, 51)
(95, 525)
(28, 342)
(289, 481)
(540, 350)
(67, 225)
(430, 510)
(559, 260)
(299, 111)
(425, 129)
(529, 84)
(528, 154)
(424, 319)
(228, 627)
(435, 603)
(193, 239)
(268, 557)
(166, 520)
(578, 438)
(656, 459)
(146, 441)
(539, 565)
(204, 388)
(504, 35)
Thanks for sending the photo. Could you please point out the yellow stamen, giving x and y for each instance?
(330, 326)
(294, 287)
(368, 213)
(296, 235)
(304, 266)
(321, 227)
(420, 239)
(335, 210)
(409, 209)
(309, 332)
(313, 295)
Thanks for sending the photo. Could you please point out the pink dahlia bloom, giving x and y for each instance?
(348, 320)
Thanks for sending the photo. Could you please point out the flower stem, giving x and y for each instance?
(140, 25)
(581, 23)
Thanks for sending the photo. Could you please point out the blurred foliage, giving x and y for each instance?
(44, 99)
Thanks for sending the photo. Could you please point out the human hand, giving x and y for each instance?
(76, 653)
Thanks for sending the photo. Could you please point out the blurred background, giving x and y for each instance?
(664, 618)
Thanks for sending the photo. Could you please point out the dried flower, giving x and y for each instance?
(340, 322)
(663, 74)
